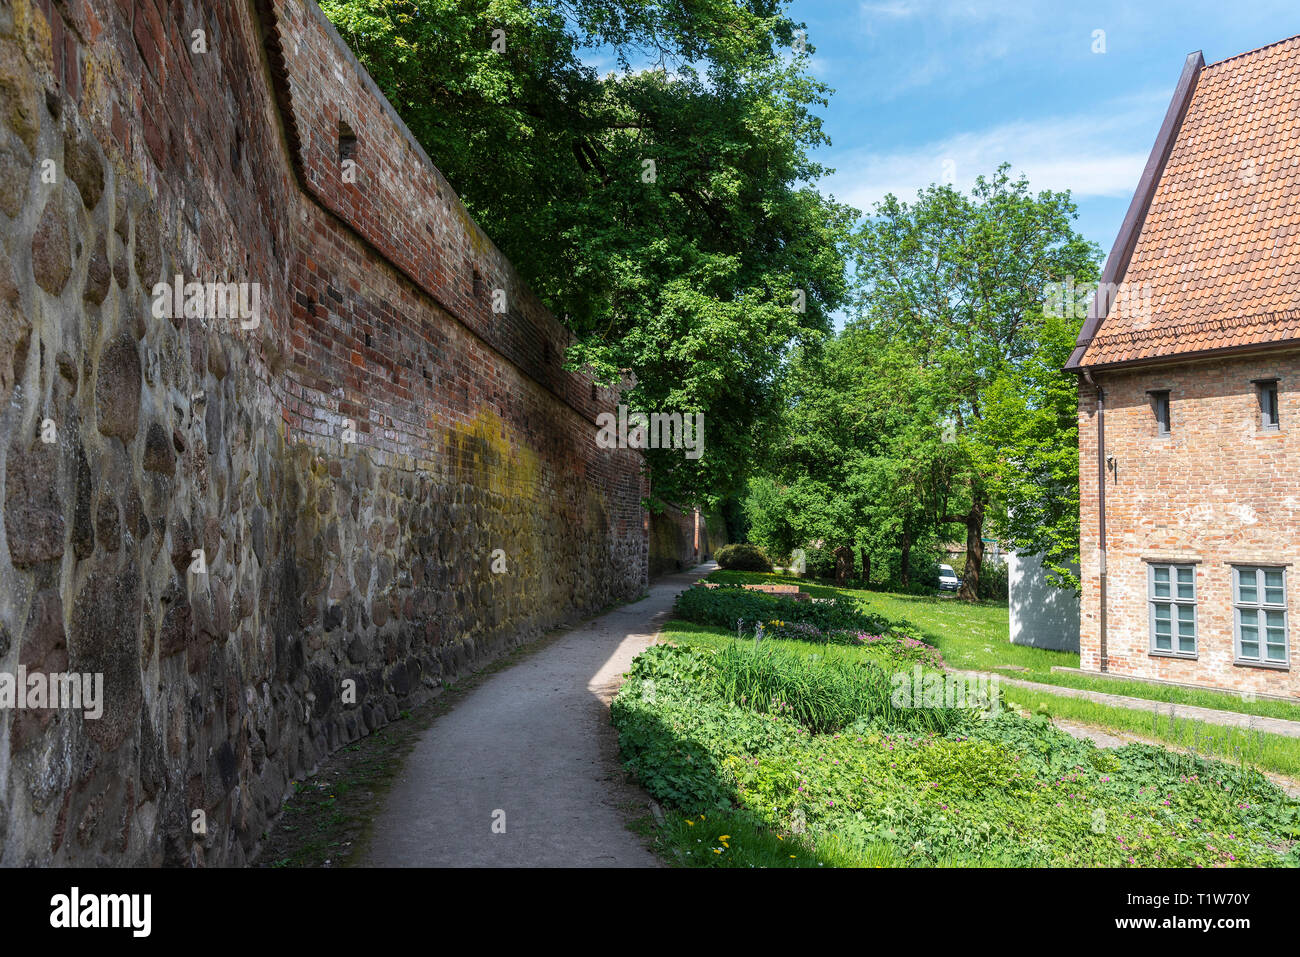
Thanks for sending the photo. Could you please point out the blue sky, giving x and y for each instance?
(975, 82)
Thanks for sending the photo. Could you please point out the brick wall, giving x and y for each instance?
(387, 479)
(1217, 491)
(672, 539)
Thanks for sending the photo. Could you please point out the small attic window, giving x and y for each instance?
(1160, 406)
(347, 142)
(1269, 419)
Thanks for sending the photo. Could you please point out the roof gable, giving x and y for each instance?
(1215, 262)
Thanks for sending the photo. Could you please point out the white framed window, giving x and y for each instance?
(1171, 593)
(1259, 600)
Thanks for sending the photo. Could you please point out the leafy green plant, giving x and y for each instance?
(758, 745)
(725, 605)
(743, 557)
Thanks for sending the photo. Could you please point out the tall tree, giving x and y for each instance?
(860, 460)
(961, 280)
(663, 209)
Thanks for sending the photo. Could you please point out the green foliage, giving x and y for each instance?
(821, 694)
(743, 557)
(684, 274)
(962, 280)
(994, 579)
(699, 726)
(724, 606)
(941, 409)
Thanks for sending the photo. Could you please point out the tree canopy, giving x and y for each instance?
(664, 208)
(942, 406)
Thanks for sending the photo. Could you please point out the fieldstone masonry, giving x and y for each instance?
(381, 480)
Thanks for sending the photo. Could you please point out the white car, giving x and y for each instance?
(948, 580)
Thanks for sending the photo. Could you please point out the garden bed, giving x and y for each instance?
(801, 739)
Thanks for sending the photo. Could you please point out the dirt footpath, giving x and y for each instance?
(524, 772)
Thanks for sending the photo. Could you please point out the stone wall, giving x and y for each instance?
(672, 539)
(1217, 491)
(373, 483)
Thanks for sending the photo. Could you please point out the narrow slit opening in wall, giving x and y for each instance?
(478, 284)
(347, 142)
(1161, 409)
(1266, 391)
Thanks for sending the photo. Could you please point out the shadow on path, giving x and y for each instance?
(532, 746)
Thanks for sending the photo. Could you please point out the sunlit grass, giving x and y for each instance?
(977, 637)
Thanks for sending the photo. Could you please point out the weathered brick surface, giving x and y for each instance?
(347, 467)
(1218, 490)
(673, 539)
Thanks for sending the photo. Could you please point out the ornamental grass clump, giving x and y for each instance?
(824, 696)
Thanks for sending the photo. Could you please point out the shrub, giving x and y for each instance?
(743, 558)
(820, 561)
(725, 605)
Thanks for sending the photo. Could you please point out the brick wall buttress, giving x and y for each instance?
(375, 479)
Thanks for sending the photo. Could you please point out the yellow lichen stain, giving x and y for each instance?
(477, 238)
(482, 454)
(34, 35)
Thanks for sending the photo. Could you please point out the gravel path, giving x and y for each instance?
(532, 748)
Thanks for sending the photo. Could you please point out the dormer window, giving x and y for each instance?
(1269, 419)
(1160, 406)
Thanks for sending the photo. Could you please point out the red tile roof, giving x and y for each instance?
(1217, 262)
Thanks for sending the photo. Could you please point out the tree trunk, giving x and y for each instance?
(843, 565)
(866, 567)
(970, 585)
(907, 559)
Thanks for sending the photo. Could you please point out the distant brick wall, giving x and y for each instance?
(1217, 491)
(672, 539)
(348, 468)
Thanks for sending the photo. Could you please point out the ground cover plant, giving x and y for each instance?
(778, 740)
(974, 635)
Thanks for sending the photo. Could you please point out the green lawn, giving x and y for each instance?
(976, 636)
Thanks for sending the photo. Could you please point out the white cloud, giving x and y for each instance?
(1090, 155)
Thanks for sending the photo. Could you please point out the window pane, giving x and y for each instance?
(1275, 635)
(1163, 627)
(1187, 644)
(1247, 589)
(1186, 583)
(1274, 590)
(1249, 634)
(1161, 581)
(1186, 620)
(1268, 400)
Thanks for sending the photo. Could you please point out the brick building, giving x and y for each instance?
(1189, 400)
